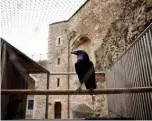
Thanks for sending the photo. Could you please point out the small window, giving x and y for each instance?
(58, 61)
(59, 41)
(58, 82)
(30, 104)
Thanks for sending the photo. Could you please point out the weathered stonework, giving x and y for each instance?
(58, 49)
(123, 30)
(39, 100)
(29, 113)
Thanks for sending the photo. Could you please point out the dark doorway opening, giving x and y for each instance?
(57, 110)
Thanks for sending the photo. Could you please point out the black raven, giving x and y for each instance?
(85, 70)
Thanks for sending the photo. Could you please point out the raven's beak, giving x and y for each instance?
(74, 52)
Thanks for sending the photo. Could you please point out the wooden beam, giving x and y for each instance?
(4, 56)
(74, 92)
(71, 73)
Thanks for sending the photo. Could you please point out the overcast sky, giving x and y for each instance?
(24, 23)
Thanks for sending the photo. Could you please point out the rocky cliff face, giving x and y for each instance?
(135, 16)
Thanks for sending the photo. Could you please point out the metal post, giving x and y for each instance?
(68, 78)
(47, 98)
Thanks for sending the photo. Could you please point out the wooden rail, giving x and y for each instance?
(74, 92)
(71, 73)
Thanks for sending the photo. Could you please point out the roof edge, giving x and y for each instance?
(59, 22)
(72, 15)
(79, 9)
(4, 41)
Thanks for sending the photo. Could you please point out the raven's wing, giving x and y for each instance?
(79, 71)
(86, 73)
(90, 82)
(81, 68)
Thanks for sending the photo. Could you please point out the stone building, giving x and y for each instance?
(57, 62)
(104, 29)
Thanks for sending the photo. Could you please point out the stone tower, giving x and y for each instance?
(57, 62)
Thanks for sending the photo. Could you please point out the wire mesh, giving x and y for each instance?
(26, 21)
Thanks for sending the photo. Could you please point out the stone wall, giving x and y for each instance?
(40, 100)
(29, 112)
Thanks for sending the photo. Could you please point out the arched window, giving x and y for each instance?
(57, 110)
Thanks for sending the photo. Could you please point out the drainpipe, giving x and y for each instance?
(69, 78)
(47, 97)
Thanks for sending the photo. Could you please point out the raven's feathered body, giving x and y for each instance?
(85, 69)
(86, 73)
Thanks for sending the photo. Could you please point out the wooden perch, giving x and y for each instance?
(74, 92)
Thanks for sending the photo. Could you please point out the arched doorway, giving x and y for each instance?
(57, 110)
